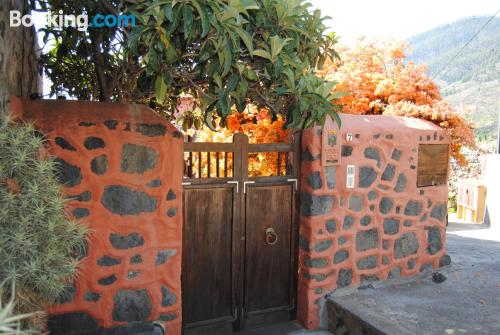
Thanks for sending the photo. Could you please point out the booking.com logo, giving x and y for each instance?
(80, 22)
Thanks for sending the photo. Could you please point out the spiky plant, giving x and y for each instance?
(10, 322)
(37, 241)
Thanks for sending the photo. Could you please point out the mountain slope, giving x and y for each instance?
(471, 82)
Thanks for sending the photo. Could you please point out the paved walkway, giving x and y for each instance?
(291, 328)
(468, 302)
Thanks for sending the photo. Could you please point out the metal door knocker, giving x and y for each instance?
(271, 236)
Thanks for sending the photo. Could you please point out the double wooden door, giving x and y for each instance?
(239, 249)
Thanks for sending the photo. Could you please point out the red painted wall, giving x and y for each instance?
(122, 165)
(384, 227)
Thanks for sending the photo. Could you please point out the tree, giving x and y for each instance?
(224, 52)
(380, 81)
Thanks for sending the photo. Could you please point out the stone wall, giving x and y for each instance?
(122, 170)
(382, 228)
(18, 57)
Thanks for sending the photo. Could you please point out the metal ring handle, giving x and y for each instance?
(271, 236)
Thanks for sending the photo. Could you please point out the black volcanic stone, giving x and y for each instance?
(331, 177)
(434, 241)
(356, 202)
(138, 158)
(123, 200)
(367, 239)
(413, 208)
(439, 212)
(171, 212)
(369, 262)
(340, 256)
(107, 280)
(348, 222)
(64, 144)
(401, 183)
(367, 175)
(164, 255)
(391, 226)
(171, 195)
(307, 156)
(151, 130)
(86, 124)
(111, 124)
(168, 298)
(331, 226)
(406, 245)
(79, 213)
(323, 245)
(92, 143)
(396, 154)
(344, 278)
(108, 261)
(389, 172)
(67, 174)
(136, 259)
(385, 205)
(84, 196)
(92, 296)
(129, 241)
(366, 220)
(312, 205)
(99, 165)
(373, 153)
(154, 183)
(314, 180)
(346, 150)
(131, 305)
(67, 295)
(316, 263)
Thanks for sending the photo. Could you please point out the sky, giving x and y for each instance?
(397, 19)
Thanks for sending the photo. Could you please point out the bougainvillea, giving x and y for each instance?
(380, 81)
(258, 125)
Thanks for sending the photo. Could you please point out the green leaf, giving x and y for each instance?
(228, 58)
(246, 38)
(243, 88)
(188, 21)
(262, 53)
(160, 89)
(202, 11)
(277, 44)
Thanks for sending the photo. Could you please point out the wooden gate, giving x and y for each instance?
(240, 235)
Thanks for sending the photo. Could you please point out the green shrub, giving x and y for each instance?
(10, 322)
(37, 241)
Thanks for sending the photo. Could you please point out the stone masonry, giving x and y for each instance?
(121, 166)
(383, 227)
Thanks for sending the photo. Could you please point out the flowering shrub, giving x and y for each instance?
(259, 127)
(381, 82)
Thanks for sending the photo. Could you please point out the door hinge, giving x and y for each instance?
(237, 185)
(245, 183)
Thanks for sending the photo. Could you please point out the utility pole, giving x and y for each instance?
(498, 134)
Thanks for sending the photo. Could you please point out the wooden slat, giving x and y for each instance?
(207, 146)
(217, 172)
(225, 164)
(270, 147)
(199, 165)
